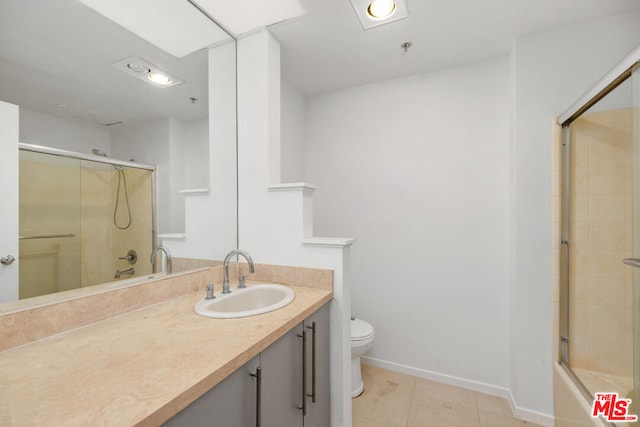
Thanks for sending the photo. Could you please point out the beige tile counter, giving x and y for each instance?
(137, 368)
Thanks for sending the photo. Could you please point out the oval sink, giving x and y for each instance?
(249, 301)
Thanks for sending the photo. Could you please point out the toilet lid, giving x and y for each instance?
(360, 330)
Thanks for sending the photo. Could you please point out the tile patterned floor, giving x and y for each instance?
(391, 399)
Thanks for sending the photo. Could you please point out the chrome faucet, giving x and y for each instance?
(225, 283)
(129, 271)
(167, 256)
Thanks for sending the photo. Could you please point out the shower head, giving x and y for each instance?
(99, 152)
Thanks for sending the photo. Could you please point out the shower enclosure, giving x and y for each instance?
(600, 239)
(83, 220)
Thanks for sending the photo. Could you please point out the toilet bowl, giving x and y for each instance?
(362, 335)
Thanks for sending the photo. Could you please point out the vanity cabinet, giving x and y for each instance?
(287, 385)
(296, 385)
(318, 398)
(225, 405)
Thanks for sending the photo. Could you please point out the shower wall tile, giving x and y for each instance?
(138, 236)
(579, 289)
(607, 209)
(580, 208)
(579, 318)
(607, 181)
(608, 237)
(600, 285)
(608, 354)
(580, 356)
(95, 225)
(608, 293)
(580, 233)
(607, 265)
(608, 320)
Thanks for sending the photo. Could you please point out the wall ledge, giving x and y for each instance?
(194, 191)
(173, 236)
(336, 242)
(293, 186)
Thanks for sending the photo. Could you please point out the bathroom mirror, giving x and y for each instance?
(76, 77)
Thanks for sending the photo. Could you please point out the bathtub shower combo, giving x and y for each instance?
(84, 219)
(599, 248)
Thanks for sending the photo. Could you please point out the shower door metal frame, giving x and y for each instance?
(81, 156)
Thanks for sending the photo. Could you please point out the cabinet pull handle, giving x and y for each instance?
(313, 362)
(258, 377)
(304, 372)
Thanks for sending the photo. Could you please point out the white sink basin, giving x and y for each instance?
(249, 301)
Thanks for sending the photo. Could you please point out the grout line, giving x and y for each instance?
(413, 393)
(475, 398)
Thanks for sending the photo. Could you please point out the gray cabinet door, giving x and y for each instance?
(232, 403)
(282, 381)
(318, 412)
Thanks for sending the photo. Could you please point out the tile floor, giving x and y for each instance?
(391, 399)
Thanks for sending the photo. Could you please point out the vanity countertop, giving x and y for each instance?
(139, 368)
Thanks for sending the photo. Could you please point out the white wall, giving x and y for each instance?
(550, 71)
(417, 169)
(454, 221)
(195, 141)
(293, 119)
(72, 135)
(210, 216)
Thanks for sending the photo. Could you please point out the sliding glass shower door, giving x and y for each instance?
(600, 295)
(49, 209)
(80, 222)
(635, 293)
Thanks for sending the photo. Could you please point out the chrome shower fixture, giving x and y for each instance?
(121, 178)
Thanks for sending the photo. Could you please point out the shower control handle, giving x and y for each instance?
(633, 262)
(7, 260)
(132, 257)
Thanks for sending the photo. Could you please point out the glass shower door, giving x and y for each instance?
(49, 224)
(635, 395)
(601, 195)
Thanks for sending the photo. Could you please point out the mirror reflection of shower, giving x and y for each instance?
(68, 237)
(122, 179)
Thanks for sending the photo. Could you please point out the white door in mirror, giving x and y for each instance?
(250, 301)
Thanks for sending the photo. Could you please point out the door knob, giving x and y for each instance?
(7, 260)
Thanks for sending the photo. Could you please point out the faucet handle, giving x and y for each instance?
(210, 294)
(241, 283)
(131, 257)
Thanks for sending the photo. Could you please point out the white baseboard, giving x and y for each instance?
(530, 415)
(518, 412)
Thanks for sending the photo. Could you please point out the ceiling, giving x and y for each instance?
(56, 55)
(328, 50)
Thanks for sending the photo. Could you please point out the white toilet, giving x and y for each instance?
(362, 335)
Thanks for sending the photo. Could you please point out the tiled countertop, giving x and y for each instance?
(138, 368)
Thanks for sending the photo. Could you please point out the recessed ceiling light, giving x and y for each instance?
(373, 13)
(159, 78)
(147, 72)
(381, 9)
(138, 68)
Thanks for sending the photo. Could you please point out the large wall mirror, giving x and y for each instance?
(109, 156)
